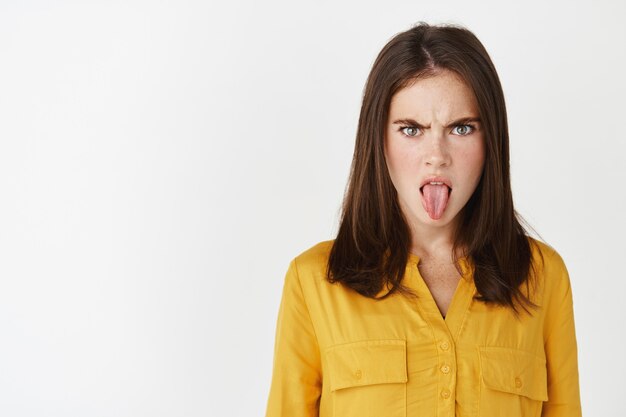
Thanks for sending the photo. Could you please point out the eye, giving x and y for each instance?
(464, 130)
(410, 131)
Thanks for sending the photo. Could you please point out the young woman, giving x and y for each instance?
(432, 300)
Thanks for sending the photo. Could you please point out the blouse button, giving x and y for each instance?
(518, 382)
(445, 393)
(358, 374)
(444, 345)
(445, 369)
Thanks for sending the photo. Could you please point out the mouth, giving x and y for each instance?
(422, 190)
(436, 180)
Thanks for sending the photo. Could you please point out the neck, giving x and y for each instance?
(433, 242)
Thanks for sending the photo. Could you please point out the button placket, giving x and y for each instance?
(446, 377)
(444, 331)
(445, 393)
(445, 366)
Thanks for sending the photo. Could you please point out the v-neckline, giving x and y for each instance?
(459, 304)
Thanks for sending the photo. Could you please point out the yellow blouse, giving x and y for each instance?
(340, 354)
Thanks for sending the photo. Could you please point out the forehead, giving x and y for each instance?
(444, 94)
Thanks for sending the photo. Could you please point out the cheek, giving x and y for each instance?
(393, 157)
(474, 163)
(401, 155)
(474, 158)
(401, 167)
(480, 159)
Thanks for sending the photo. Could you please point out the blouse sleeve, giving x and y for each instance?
(561, 351)
(296, 377)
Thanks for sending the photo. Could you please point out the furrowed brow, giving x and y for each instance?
(463, 120)
(409, 122)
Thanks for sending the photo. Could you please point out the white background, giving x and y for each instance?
(162, 162)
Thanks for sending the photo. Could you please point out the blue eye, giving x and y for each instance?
(465, 129)
(409, 131)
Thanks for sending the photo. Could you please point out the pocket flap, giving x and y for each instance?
(514, 371)
(366, 362)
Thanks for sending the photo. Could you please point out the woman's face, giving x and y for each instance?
(434, 131)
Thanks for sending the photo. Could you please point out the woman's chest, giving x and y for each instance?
(442, 281)
(399, 357)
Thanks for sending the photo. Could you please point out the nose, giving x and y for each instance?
(437, 153)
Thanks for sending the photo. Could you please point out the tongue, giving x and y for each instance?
(435, 200)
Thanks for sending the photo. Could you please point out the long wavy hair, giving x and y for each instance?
(371, 249)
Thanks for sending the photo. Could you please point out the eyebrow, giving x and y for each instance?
(457, 122)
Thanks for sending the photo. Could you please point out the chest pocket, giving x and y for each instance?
(368, 378)
(513, 382)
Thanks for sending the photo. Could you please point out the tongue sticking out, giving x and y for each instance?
(435, 200)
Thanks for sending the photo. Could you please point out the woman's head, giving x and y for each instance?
(430, 76)
(435, 151)
(411, 60)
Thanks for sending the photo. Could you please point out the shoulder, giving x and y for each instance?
(547, 257)
(306, 275)
(551, 270)
(314, 259)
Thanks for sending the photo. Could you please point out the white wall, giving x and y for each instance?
(162, 162)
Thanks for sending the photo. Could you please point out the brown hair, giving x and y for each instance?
(371, 249)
